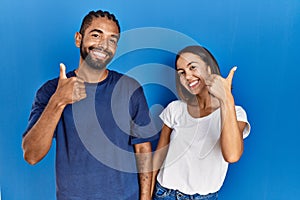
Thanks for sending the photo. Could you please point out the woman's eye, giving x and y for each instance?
(192, 67)
(180, 73)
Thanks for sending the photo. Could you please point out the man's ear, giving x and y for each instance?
(78, 38)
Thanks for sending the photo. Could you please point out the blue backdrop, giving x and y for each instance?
(261, 37)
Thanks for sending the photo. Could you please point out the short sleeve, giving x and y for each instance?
(166, 115)
(143, 128)
(40, 102)
(242, 116)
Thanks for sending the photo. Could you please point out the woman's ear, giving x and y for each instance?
(78, 38)
(209, 69)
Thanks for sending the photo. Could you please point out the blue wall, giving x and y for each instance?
(260, 36)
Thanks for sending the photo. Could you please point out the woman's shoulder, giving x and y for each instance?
(172, 113)
(240, 109)
(176, 104)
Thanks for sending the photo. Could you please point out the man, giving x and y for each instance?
(99, 119)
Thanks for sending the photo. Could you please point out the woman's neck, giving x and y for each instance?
(202, 105)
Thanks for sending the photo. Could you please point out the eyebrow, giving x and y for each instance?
(190, 63)
(100, 31)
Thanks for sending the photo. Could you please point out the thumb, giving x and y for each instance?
(62, 71)
(231, 73)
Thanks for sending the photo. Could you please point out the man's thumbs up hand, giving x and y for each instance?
(62, 71)
(69, 90)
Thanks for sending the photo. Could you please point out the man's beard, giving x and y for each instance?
(95, 63)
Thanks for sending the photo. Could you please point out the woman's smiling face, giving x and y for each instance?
(192, 71)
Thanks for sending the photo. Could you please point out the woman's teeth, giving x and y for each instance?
(193, 83)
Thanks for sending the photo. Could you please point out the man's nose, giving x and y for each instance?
(103, 43)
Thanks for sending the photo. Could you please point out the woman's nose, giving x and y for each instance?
(188, 75)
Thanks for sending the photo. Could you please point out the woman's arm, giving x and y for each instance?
(232, 143)
(160, 152)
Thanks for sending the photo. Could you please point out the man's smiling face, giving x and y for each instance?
(98, 44)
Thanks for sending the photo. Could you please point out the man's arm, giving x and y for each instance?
(144, 164)
(37, 141)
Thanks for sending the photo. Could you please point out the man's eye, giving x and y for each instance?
(95, 35)
(113, 41)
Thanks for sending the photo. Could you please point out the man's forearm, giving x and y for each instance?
(144, 165)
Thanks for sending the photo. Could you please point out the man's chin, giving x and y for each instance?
(97, 64)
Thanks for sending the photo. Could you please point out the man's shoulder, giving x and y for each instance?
(46, 90)
(49, 85)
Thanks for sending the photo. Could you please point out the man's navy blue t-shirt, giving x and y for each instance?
(95, 137)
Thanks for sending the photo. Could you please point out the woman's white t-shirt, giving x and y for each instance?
(194, 163)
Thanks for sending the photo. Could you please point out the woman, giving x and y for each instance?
(202, 132)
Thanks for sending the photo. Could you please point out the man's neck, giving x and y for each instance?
(91, 75)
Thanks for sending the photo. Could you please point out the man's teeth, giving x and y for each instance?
(99, 54)
(193, 83)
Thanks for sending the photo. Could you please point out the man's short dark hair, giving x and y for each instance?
(87, 20)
